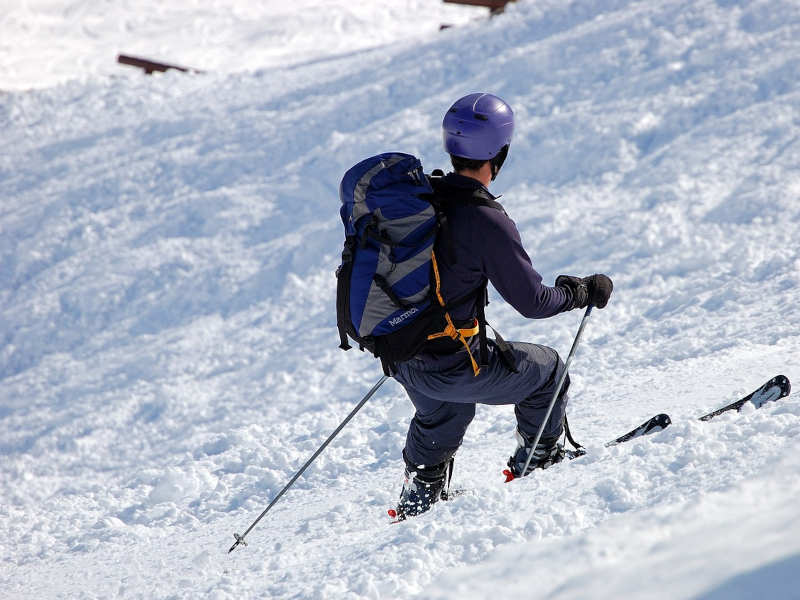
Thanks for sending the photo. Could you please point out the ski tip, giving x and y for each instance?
(783, 382)
(509, 475)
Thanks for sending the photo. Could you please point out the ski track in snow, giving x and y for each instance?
(167, 340)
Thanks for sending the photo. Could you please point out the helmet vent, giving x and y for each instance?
(481, 117)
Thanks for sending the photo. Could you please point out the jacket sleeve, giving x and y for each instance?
(509, 268)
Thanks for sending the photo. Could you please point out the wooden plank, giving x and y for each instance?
(150, 66)
(490, 4)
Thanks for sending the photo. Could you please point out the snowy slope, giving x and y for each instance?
(731, 545)
(169, 357)
(48, 42)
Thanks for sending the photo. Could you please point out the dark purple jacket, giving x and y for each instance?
(486, 245)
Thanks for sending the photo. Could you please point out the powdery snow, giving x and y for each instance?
(167, 340)
(47, 42)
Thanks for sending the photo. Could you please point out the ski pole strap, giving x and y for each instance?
(568, 435)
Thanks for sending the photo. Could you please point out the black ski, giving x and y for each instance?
(656, 423)
(776, 388)
(653, 424)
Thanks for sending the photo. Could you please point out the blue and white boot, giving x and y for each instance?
(422, 488)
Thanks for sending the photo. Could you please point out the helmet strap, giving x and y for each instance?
(498, 160)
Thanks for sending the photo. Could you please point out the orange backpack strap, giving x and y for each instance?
(451, 331)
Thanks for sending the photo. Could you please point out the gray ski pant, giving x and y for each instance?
(444, 392)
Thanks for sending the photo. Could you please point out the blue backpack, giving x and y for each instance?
(388, 296)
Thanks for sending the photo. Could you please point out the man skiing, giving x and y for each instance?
(479, 243)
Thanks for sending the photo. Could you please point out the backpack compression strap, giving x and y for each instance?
(342, 297)
(451, 330)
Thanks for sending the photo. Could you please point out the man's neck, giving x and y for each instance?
(483, 175)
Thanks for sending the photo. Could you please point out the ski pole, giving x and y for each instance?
(558, 387)
(240, 538)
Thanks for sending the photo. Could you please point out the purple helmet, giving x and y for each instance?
(478, 126)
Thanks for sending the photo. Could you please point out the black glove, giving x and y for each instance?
(594, 290)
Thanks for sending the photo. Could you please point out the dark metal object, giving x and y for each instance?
(495, 6)
(149, 66)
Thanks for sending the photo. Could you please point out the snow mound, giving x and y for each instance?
(168, 352)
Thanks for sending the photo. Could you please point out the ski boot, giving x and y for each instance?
(422, 488)
(547, 452)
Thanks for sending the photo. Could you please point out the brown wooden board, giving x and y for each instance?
(150, 66)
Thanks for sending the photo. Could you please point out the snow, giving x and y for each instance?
(168, 352)
(47, 42)
(693, 549)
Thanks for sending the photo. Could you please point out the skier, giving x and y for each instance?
(481, 242)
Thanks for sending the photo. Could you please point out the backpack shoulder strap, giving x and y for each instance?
(481, 197)
(439, 199)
